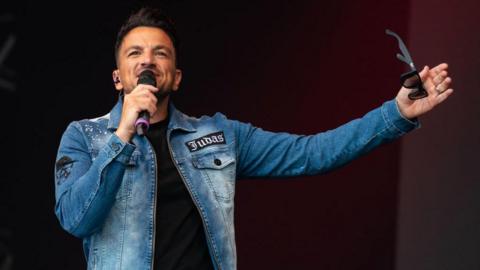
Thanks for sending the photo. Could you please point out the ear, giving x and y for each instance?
(116, 80)
(177, 79)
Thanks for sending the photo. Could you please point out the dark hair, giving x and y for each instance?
(151, 17)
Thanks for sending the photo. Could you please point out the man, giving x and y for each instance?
(165, 200)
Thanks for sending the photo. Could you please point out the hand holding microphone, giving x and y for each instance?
(138, 105)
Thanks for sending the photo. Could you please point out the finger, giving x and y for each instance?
(153, 98)
(440, 77)
(145, 104)
(427, 80)
(443, 86)
(424, 73)
(148, 87)
(144, 93)
(144, 87)
(146, 97)
(430, 86)
(141, 100)
(431, 90)
(152, 107)
(443, 96)
(439, 68)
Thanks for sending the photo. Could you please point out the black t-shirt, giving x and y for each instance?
(179, 237)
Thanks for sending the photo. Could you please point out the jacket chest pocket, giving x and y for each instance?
(218, 170)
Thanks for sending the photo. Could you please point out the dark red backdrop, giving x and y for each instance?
(298, 67)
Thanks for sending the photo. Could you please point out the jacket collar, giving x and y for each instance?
(178, 120)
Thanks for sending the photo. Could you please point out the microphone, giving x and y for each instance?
(143, 121)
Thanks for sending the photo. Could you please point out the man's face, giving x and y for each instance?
(147, 48)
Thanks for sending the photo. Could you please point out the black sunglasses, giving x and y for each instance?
(411, 79)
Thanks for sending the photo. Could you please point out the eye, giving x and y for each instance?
(161, 53)
(133, 53)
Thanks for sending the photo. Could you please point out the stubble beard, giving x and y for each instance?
(163, 93)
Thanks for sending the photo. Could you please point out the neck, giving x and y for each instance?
(162, 110)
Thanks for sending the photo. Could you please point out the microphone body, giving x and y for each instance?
(143, 121)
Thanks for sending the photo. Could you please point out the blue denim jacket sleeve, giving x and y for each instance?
(267, 154)
(85, 189)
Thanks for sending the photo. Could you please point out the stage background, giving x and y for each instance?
(301, 67)
(439, 206)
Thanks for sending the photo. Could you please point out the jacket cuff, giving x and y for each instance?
(119, 150)
(396, 122)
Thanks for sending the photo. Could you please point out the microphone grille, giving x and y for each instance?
(147, 77)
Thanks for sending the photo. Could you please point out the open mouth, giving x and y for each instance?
(142, 70)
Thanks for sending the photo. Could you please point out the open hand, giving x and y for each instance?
(436, 82)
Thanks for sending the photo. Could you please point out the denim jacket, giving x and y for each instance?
(105, 189)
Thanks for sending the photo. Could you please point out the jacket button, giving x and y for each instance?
(217, 162)
(115, 147)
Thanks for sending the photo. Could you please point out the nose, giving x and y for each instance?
(148, 59)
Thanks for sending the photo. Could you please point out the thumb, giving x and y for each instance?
(427, 79)
(424, 73)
